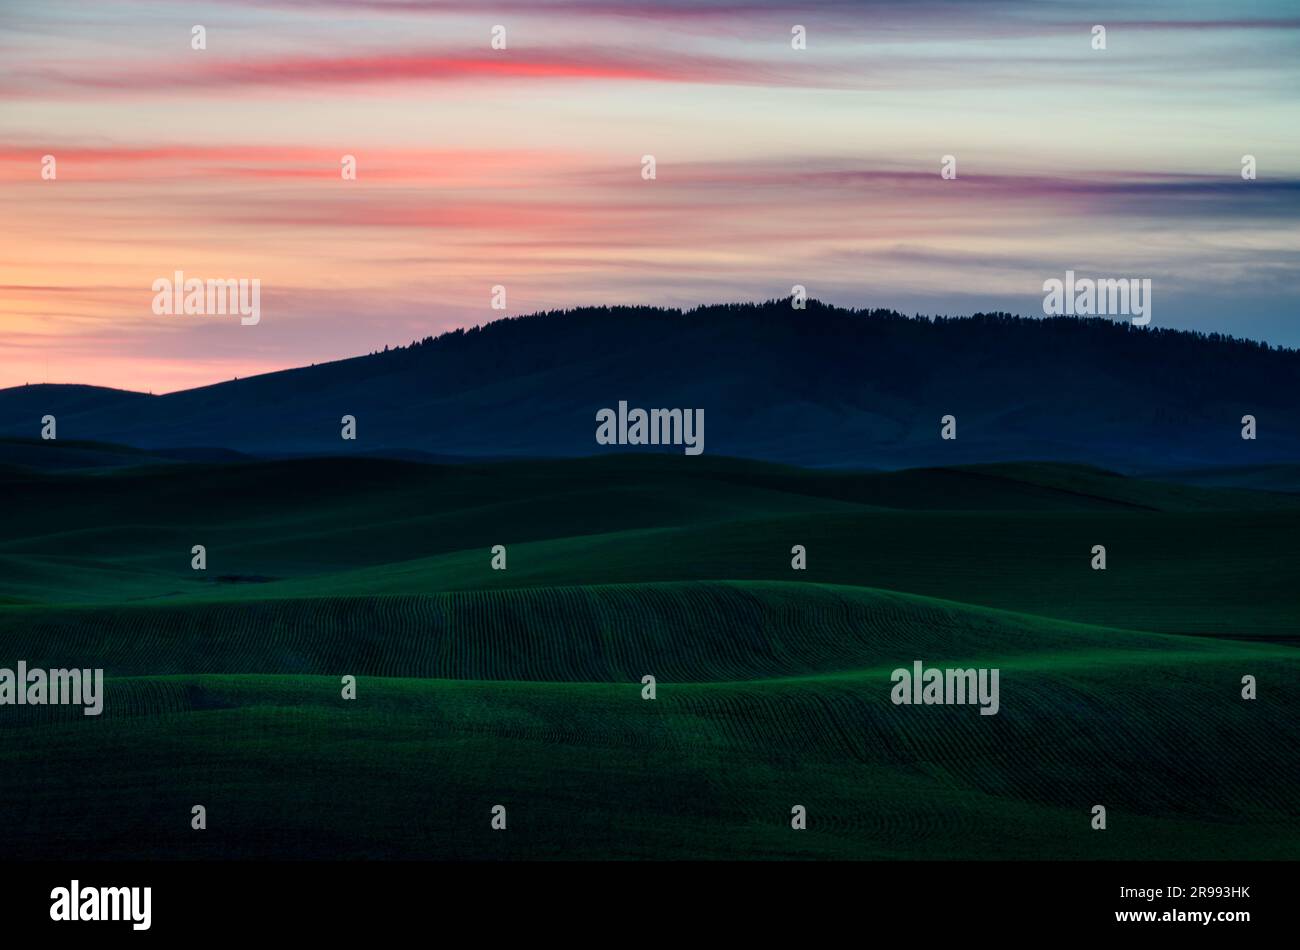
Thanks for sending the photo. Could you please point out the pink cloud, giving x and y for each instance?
(575, 64)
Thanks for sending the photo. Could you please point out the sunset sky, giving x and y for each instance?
(522, 167)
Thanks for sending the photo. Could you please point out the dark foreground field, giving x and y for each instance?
(523, 687)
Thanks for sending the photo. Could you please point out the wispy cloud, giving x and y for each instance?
(522, 167)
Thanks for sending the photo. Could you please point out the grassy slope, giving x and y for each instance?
(1181, 559)
(478, 687)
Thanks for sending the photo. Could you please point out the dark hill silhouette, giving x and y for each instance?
(822, 386)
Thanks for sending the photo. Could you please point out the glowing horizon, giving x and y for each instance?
(522, 167)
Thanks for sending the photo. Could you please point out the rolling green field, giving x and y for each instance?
(523, 687)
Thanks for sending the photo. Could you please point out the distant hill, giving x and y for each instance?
(821, 387)
(35, 401)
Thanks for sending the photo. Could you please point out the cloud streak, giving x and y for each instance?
(522, 167)
(424, 66)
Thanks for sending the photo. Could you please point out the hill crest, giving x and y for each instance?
(822, 386)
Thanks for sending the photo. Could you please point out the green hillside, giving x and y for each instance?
(523, 687)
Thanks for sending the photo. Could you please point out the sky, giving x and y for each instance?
(523, 168)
